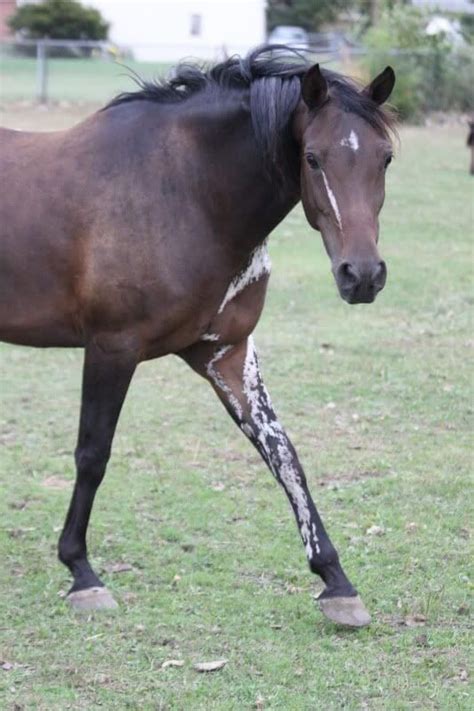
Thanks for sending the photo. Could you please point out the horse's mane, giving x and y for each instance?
(272, 74)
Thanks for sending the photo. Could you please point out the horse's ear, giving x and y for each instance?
(314, 88)
(381, 87)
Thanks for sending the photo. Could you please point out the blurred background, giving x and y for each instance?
(68, 55)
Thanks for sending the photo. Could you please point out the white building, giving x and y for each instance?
(168, 30)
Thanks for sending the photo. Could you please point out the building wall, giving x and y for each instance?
(167, 30)
(7, 8)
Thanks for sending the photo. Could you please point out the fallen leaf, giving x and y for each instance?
(375, 531)
(118, 567)
(172, 663)
(210, 666)
(7, 666)
(411, 527)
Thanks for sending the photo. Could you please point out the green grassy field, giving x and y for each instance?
(88, 80)
(378, 400)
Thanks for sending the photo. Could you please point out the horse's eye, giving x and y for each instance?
(312, 162)
(388, 160)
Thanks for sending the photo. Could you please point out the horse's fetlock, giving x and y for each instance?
(69, 553)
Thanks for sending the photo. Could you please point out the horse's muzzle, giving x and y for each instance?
(360, 284)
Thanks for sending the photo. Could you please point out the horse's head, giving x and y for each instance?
(345, 151)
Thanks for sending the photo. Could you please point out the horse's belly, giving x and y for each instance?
(36, 324)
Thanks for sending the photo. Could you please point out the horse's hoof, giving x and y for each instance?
(91, 599)
(349, 611)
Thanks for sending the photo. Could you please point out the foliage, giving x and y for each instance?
(304, 13)
(59, 19)
(467, 26)
(431, 73)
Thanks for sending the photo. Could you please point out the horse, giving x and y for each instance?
(470, 144)
(142, 232)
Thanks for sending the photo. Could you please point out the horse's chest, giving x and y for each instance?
(240, 309)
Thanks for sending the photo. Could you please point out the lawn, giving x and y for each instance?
(83, 80)
(196, 540)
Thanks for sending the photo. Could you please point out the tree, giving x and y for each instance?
(59, 19)
(310, 14)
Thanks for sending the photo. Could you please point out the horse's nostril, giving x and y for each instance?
(379, 274)
(348, 274)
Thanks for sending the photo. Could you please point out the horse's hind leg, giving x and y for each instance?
(105, 383)
(235, 375)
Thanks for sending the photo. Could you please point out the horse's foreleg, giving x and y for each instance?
(105, 382)
(234, 373)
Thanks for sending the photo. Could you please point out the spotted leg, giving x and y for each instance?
(235, 375)
(105, 382)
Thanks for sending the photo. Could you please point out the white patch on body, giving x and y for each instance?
(209, 337)
(332, 200)
(352, 141)
(283, 466)
(218, 380)
(258, 265)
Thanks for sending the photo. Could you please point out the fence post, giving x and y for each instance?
(41, 72)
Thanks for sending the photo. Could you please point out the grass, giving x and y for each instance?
(83, 80)
(378, 401)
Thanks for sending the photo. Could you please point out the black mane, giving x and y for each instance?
(272, 75)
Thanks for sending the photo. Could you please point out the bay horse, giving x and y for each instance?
(142, 232)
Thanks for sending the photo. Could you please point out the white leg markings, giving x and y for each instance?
(259, 264)
(218, 380)
(283, 466)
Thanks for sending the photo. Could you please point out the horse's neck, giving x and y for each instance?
(244, 196)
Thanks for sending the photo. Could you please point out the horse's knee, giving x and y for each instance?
(91, 461)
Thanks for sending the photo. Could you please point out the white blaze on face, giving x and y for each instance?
(259, 264)
(352, 141)
(332, 200)
(282, 462)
